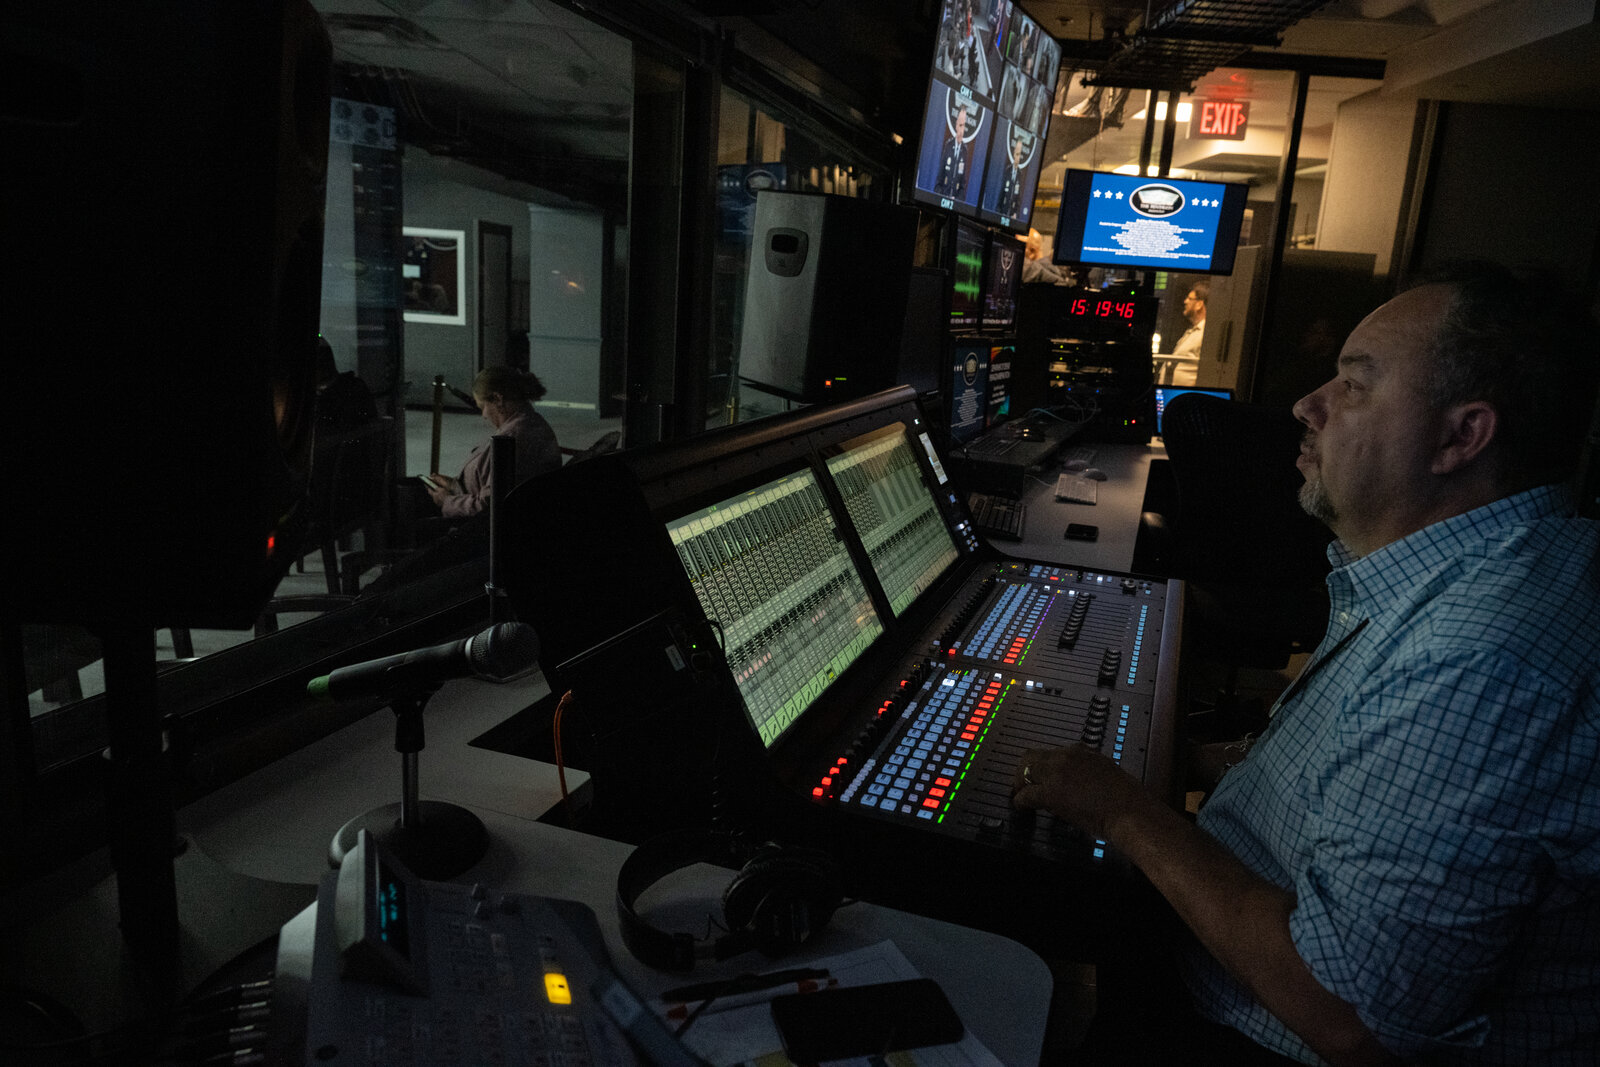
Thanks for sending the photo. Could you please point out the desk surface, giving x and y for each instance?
(1119, 503)
(276, 824)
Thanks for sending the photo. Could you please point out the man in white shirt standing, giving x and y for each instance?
(1185, 355)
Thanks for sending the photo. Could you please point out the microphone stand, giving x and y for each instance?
(436, 840)
(503, 465)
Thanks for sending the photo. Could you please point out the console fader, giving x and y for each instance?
(1033, 656)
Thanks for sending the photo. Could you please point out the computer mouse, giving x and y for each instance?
(1028, 431)
(1094, 472)
(1075, 465)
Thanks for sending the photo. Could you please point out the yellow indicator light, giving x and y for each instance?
(556, 989)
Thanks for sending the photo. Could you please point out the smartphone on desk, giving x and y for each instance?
(867, 1020)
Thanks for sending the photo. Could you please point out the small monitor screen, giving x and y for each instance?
(1124, 220)
(391, 909)
(966, 275)
(1001, 278)
(771, 570)
(1166, 393)
(1000, 360)
(969, 392)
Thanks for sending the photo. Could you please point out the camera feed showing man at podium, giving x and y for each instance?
(1008, 190)
(955, 162)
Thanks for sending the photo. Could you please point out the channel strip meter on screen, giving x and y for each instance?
(771, 572)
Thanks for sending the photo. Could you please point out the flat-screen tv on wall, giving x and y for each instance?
(990, 90)
(1125, 220)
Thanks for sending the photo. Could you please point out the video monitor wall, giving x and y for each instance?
(987, 112)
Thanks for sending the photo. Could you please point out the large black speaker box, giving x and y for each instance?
(166, 174)
(825, 299)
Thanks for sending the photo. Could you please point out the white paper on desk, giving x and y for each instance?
(748, 1036)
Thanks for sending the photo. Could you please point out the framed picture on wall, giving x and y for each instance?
(433, 275)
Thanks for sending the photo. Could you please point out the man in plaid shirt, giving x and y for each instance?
(1406, 867)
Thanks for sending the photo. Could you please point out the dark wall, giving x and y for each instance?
(1517, 185)
(872, 55)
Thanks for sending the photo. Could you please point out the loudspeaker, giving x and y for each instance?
(782, 897)
(825, 299)
(164, 222)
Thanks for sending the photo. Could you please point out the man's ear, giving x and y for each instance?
(1467, 430)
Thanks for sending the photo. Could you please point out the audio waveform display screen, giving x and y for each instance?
(966, 275)
(895, 516)
(772, 571)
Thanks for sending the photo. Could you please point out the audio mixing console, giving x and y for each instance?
(1033, 656)
(889, 667)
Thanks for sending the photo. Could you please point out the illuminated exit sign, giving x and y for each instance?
(1224, 119)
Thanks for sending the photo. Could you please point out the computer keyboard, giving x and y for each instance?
(1076, 489)
(991, 445)
(1000, 517)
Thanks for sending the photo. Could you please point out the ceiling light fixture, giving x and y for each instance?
(1185, 109)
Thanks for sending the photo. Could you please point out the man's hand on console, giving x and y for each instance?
(1242, 919)
(1076, 783)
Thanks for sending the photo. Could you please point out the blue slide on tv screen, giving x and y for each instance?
(1124, 220)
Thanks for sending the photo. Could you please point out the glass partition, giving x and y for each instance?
(449, 248)
(756, 150)
(1234, 127)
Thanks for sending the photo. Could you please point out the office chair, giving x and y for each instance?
(1253, 562)
(348, 493)
(606, 442)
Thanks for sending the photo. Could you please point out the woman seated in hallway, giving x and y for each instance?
(505, 396)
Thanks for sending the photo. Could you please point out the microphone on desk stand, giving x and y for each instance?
(497, 654)
(434, 839)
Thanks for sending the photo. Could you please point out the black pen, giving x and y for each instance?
(744, 983)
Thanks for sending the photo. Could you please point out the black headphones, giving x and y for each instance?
(781, 898)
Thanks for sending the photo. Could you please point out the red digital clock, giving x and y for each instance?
(1085, 308)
